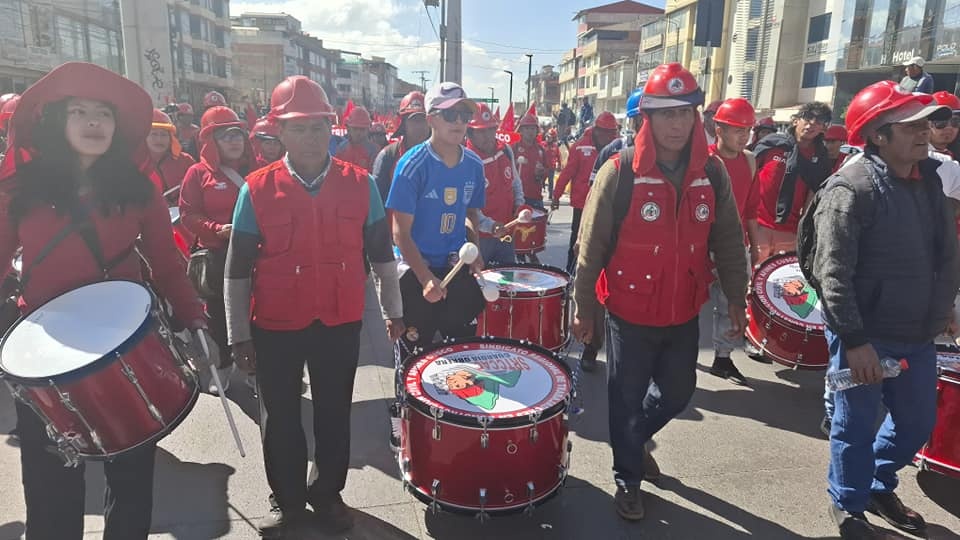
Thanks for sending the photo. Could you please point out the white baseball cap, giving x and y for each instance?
(915, 61)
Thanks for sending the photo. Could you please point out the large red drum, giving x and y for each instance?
(942, 451)
(785, 321)
(531, 237)
(100, 369)
(484, 427)
(533, 306)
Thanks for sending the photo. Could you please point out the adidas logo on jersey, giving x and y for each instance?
(432, 195)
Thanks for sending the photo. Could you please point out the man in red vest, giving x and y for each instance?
(301, 227)
(656, 213)
(504, 192)
(583, 154)
(531, 161)
(358, 149)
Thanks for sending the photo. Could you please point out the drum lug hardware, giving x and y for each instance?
(512, 448)
(68, 403)
(437, 414)
(534, 434)
(483, 516)
(530, 490)
(796, 366)
(767, 325)
(434, 493)
(132, 377)
(484, 437)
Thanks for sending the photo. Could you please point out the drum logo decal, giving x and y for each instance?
(450, 196)
(508, 172)
(476, 386)
(525, 231)
(799, 296)
(702, 212)
(650, 211)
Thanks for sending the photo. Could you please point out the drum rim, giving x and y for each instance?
(760, 298)
(454, 417)
(521, 505)
(792, 364)
(149, 323)
(533, 266)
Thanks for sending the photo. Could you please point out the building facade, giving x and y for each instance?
(200, 43)
(545, 90)
(617, 81)
(264, 53)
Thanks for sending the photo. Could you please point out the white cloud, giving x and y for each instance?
(399, 31)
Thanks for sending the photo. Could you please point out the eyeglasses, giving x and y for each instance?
(953, 122)
(452, 115)
(232, 135)
(823, 119)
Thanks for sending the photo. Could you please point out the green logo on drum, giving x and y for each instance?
(799, 296)
(475, 386)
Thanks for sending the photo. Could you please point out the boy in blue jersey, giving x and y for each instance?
(438, 186)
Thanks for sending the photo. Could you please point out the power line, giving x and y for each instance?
(435, 32)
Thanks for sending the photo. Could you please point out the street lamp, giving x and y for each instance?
(529, 76)
(491, 96)
(510, 73)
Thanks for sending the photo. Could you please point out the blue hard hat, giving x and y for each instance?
(633, 103)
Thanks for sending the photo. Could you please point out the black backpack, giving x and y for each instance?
(624, 196)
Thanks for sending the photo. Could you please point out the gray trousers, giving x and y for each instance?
(722, 345)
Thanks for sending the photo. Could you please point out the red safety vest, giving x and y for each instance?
(310, 265)
(659, 273)
(498, 170)
(532, 154)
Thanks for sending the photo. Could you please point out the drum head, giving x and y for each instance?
(520, 279)
(174, 214)
(780, 287)
(496, 378)
(539, 214)
(75, 329)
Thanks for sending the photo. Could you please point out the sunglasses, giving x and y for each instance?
(452, 115)
(953, 122)
(232, 135)
(823, 119)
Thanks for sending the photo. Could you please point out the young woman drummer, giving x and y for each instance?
(72, 163)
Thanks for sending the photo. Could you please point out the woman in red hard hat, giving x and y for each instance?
(207, 198)
(167, 158)
(77, 132)
(358, 149)
(265, 140)
(833, 139)
(187, 131)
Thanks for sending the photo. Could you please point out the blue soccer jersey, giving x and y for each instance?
(438, 198)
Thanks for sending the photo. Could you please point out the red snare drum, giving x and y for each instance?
(785, 321)
(531, 237)
(181, 236)
(942, 451)
(484, 426)
(98, 367)
(533, 305)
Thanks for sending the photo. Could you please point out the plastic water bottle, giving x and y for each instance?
(843, 378)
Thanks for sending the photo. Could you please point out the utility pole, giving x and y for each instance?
(453, 42)
(443, 38)
(510, 73)
(491, 96)
(423, 79)
(529, 76)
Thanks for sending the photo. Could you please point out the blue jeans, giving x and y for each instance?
(863, 459)
(493, 250)
(535, 203)
(651, 376)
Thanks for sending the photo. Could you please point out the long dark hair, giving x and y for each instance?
(49, 178)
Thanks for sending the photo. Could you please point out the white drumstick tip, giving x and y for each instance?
(491, 293)
(525, 216)
(468, 253)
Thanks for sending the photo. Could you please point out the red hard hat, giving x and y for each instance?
(528, 120)
(412, 103)
(265, 129)
(6, 110)
(300, 97)
(7, 97)
(218, 117)
(874, 101)
(766, 122)
(714, 106)
(213, 99)
(736, 112)
(942, 98)
(670, 85)
(160, 117)
(483, 118)
(836, 132)
(606, 120)
(359, 118)
(184, 108)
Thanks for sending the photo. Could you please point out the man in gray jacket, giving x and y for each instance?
(880, 249)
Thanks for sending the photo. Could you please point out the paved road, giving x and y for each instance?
(740, 463)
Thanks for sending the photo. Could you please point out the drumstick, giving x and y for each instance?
(171, 191)
(202, 336)
(525, 216)
(468, 253)
(491, 293)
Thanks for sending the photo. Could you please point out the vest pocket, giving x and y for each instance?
(277, 234)
(350, 221)
(638, 291)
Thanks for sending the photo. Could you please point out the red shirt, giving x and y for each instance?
(770, 171)
(207, 199)
(743, 181)
(527, 158)
(170, 172)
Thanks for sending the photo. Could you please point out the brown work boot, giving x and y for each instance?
(629, 503)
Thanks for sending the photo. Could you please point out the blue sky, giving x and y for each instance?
(497, 34)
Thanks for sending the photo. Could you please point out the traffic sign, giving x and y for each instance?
(487, 100)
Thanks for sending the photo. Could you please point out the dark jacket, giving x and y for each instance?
(886, 264)
(812, 173)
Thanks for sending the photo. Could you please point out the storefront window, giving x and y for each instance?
(105, 48)
(841, 43)
(11, 22)
(876, 33)
(70, 39)
(948, 34)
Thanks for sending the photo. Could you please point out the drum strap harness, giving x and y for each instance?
(87, 231)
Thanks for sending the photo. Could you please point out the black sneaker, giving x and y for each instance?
(333, 516)
(853, 526)
(891, 508)
(588, 361)
(629, 503)
(754, 354)
(723, 367)
(278, 523)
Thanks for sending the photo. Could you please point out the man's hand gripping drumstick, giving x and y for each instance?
(525, 216)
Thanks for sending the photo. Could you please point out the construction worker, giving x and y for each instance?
(413, 130)
(358, 149)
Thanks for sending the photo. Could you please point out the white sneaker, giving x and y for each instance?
(225, 374)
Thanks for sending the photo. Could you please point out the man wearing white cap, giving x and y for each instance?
(917, 80)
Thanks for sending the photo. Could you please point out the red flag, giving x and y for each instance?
(346, 112)
(251, 116)
(497, 114)
(508, 122)
(532, 111)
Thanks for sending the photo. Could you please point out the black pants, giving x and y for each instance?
(54, 494)
(217, 322)
(453, 316)
(331, 354)
(574, 232)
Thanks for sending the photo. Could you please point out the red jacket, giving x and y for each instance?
(71, 264)
(580, 161)
(498, 170)
(207, 199)
(310, 265)
(552, 156)
(771, 167)
(659, 272)
(170, 172)
(362, 155)
(528, 156)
